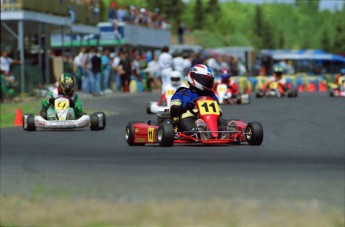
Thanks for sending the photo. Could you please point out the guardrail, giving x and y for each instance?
(56, 7)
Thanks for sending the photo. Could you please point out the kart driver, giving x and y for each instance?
(200, 79)
(277, 81)
(170, 89)
(226, 79)
(66, 87)
(175, 79)
(341, 80)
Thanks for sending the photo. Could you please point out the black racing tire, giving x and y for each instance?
(254, 133)
(130, 134)
(166, 135)
(293, 93)
(29, 122)
(259, 94)
(148, 108)
(97, 121)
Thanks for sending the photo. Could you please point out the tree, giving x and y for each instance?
(308, 6)
(171, 9)
(258, 27)
(325, 41)
(267, 39)
(213, 8)
(198, 15)
(339, 39)
(281, 41)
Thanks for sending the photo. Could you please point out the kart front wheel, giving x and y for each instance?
(148, 108)
(97, 121)
(130, 134)
(259, 94)
(165, 135)
(29, 122)
(293, 93)
(254, 133)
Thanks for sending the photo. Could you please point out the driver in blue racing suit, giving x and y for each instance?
(200, 79)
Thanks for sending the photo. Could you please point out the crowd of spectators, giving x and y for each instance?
(101, 71)
(137, 15)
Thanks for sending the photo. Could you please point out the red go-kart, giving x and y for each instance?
(166, 131)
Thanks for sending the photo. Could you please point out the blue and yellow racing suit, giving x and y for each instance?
(183, 106)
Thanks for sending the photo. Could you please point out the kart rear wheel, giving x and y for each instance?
(130, 134)
(254, 133)
(165, 135)
(97, 121)
(29, 122)
(243, 99)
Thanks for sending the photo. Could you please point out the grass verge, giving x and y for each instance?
(47, 211)
(8, 111)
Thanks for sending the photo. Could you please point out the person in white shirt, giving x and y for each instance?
(178, 62)
(165, 64)
(6, 62)
(153, 70)
(213, 64)
(78, 67)
(116, 76)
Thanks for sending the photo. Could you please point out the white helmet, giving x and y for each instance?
(201, 77)
(175, 78)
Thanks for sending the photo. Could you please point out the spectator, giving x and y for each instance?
(197, 59)
(154, 72)
(178, 63)
(241, 68)
(116, 76)
(180, 32)
(124, 70)
(96, 63)
(122, 14)
(213, 64)
(234, 66)
(187, 63)
(87, 80)
(78, 68)
(165, 64)
(6, 62)
(8, 82)
(106, 70)
(112, 17)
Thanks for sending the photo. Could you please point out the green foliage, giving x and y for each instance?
(339, 33)
(199, 16)
(269, 25)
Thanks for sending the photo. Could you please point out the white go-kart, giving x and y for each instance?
(64, 118)
(225, 96)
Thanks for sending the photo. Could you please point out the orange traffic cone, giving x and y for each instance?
(322, 86)
(300, 88)
(312, 87)
(18, 120)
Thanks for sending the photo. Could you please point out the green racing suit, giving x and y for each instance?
(46, 105)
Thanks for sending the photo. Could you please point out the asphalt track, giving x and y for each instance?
(301, 159)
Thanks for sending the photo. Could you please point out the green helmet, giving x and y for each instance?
(278, 69)
(67, 83)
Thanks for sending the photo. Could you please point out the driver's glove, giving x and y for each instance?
(51, 101)
(71, 103)
(190, 106)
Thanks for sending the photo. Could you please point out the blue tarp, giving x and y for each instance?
(303, 55)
